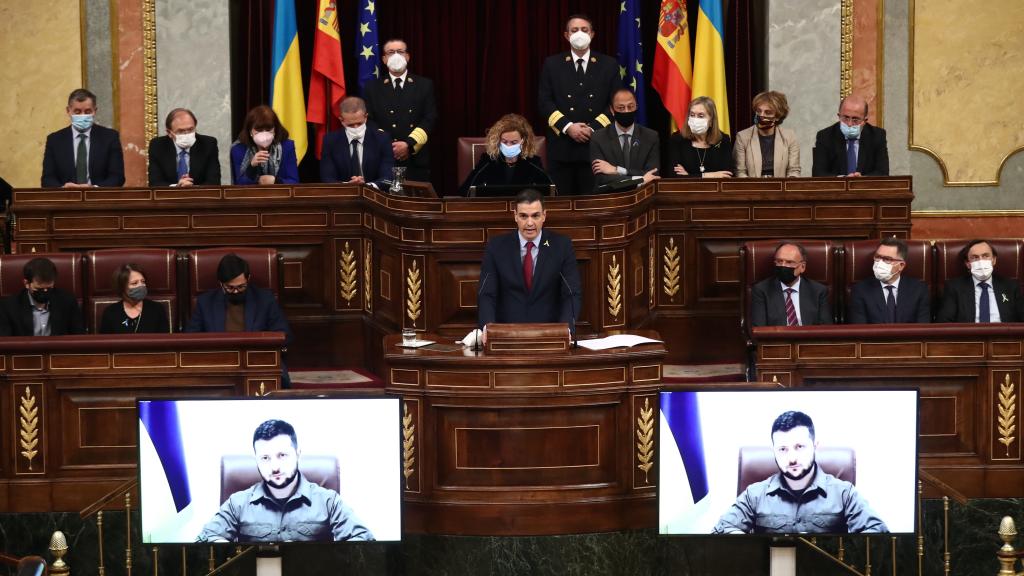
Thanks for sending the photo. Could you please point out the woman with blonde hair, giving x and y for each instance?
(510, 157)
(699, 149)
(767, 149)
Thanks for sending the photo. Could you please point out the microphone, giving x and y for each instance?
(572, 310)
(477, 172)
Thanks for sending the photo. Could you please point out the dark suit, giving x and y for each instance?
(563, 99)
(867, 303)
(203, 161)
(503, 296)
(768, 304)
(644, 156)
(830, 152)
(406, 115)
(16, 314)
(106, 158)
(336, 166)
(958, 300)
(525, 172)
(262, 313)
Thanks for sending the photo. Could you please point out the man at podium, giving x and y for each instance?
(530, 275)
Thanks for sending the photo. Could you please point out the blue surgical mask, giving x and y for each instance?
(849, 132)
(81, 122)
(512, 151)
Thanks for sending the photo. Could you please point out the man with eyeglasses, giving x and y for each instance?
(786, 298)
(183, 157)
(980, 296)
(237, 306)
(851, 146)
(889, 298)
(40, 309)
(402, 104)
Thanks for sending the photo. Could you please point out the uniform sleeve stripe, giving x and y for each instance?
(603, 120)
(553, 121)
(419, 135)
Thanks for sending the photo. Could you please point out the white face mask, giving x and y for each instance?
(882, 270)
(697, 125)
(356, 133)
(263, 139)
(185, 141)
(981, 270)
(397, 63)
(580, 40)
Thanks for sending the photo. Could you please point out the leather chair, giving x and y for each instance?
(239, 472)
(32, 566)
(950, 265)
(160, 265)
(858, 258)
(757, 463)
(470, 148)
(264, 264)
(69, 272)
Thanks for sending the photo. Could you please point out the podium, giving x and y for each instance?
(524, 444)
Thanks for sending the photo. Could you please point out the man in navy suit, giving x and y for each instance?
(183, 158)
(851, 146)
(786, 298)
(373, 157)
(531, 275)
(83, 154)
(237, 306)
(40, 309)
(889, 298)
(980, 296)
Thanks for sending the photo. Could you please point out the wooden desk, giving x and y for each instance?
(519, 444)
(970, 381)
(68, 404)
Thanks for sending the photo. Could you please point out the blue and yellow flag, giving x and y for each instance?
(709, 59)
(631, 55)
(287, 97)
(367, 52)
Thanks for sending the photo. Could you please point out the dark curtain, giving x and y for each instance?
(485, 59)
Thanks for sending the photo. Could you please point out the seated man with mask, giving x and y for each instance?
(40, 309)
(787, 298)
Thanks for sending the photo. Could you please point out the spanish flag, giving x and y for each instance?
(709, 59)
(286, 94)
(327, 80)
(672, 77)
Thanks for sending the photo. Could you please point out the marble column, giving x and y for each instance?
(130, 96)
(100, 43)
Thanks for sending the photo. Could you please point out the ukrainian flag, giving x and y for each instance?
(709, 59)
(286, 94)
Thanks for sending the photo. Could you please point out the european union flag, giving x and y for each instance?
(631, 54)
(367, 50)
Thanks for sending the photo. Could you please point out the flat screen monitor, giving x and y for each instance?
(265, 470)
(787, 461)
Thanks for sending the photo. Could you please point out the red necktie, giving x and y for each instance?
(528, 266)
(791, 319)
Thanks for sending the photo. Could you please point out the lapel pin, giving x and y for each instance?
(1005, 299)
(546, 243)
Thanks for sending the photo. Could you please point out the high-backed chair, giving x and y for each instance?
(757, 463)
(950, 265)
(858, 258)
(264, 263)
(32, 566)
(470, 148)
(160, 266)
(69, 272)
(238, 472)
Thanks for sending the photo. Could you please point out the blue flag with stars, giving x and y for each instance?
(631, 54)
(367, 51)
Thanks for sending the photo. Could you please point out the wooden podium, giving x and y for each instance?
(520, 444)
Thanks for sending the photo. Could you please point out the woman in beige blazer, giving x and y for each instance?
(770, 109)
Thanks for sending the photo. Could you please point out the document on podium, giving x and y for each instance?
(616, 341)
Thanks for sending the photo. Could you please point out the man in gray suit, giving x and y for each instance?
(624, 153)
(787, 299)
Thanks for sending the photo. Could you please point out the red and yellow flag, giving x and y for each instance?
(327, 80)
(673, 75)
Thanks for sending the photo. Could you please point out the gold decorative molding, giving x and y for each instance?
(149, 69)
(645, 439)
(413, 292)
(614, 288)
(670, 271)
(349, 284)
(651, 284)
(29, 429)
(408, 444)
(846, 49)
(1007, 408)
(368, 275)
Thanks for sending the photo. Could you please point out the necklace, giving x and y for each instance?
(701, 158)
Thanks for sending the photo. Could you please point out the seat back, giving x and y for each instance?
(69, 272)
(758, 257)
(160, 266)
(238, 472)
(264, 264)
(858, 259)
(469, 149)
(32, 566)
(757, 463)
(950, 265)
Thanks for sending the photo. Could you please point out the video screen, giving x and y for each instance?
(270, 470)
(787, 461)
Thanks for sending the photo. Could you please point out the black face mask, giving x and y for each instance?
(236, 297)
(785, 274)
(41, 296)
(625, 119)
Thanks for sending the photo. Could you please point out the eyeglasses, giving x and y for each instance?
(235, 289)
(976, 257)
(851, 119)
(888, 259)
(390, 52)
(788, 263)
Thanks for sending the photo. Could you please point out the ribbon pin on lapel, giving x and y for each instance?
(546, 243)
(1005, 299)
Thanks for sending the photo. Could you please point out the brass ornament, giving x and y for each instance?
(29, 421)
(414, 293)
(652, 285)
(149, 69)
(408, 444)
(846, 49)
(1007, 407)
(645, 439)
(614, 288)
(368, 276)
(349, 285)
(59, 547)
(670, 270)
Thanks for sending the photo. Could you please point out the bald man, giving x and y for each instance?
(851, 146)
